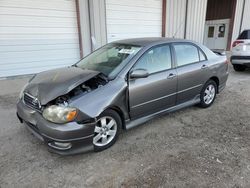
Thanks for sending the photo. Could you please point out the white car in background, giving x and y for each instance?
(241, 51)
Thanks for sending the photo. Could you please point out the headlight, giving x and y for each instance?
(59, 114)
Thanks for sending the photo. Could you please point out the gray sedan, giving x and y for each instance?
(121, 85)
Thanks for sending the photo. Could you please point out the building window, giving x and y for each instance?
(222, 29)
(210, 31)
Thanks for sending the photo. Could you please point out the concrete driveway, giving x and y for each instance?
(190, 148)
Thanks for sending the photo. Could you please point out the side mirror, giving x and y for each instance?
(139, 73)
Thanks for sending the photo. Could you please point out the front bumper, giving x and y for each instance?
(78, 137)
(240, 60)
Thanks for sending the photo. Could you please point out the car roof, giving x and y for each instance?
(149, 41)
(152, 41)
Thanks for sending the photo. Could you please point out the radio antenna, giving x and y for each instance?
(178, 29)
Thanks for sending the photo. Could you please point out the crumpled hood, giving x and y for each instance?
(49, 85)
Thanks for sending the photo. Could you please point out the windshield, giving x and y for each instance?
(109, 59)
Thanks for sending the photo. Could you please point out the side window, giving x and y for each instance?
(186, 54)
(202, 56)
(155, 60)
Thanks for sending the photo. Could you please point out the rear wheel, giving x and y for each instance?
(239, 68)
(106, 130)
(208, 94)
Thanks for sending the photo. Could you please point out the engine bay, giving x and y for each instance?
(84, 88)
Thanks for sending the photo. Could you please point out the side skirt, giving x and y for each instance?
(133, 123)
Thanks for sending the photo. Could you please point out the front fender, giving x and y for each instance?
(95, 102)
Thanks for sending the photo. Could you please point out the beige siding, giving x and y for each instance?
(130, 19)
(246, 16)
(85, 27)
(241, 20)
(237, 19)
(37, 35)
(196, 17)
(175, 18)
(98, 23)
(176, 23)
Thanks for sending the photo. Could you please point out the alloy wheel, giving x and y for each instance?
(105, 131)
(209, 94)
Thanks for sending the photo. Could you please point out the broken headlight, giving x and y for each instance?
(60, 114)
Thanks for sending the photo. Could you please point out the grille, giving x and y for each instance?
(31, 101)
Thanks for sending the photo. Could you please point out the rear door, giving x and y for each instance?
(192, 70)
(157, 91)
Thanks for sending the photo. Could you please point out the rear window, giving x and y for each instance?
(245, 35)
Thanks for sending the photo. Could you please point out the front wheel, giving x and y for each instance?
(208, 94)
(106, 130)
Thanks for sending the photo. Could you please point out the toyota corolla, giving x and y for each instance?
(120, 85)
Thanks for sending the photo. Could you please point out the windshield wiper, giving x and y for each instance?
(104, 76)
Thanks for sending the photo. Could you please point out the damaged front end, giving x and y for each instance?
(84, 88)
(51, 93)
(48, 108)
(59, 110)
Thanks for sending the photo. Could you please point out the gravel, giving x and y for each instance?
(190, 148)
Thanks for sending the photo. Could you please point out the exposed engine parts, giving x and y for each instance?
(86, 87)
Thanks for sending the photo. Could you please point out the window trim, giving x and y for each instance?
(155, 46)
(203, 55)
(187, 43)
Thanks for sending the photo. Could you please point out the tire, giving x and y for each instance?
(239, 68)
(208, 94)
(107, 130)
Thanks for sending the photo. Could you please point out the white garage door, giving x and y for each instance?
(130, 19)
(37, 35)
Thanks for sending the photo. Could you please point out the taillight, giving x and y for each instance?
(235, 43)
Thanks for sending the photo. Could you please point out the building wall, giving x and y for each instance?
(84, 24)
(98, 23)
(196, 16)
(215, 7)
(184, 18)
(246, 16)
(242, 17)
(180, 26)
(132, 19)
(37, 36)
(175, 18)
(92, 24)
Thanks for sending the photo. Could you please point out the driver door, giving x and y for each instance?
(157, 91)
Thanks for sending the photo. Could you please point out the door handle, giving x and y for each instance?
(171, 76)
(204, 66)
